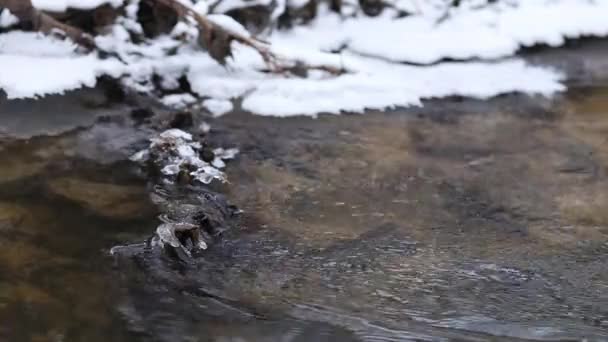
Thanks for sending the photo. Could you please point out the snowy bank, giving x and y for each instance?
(371, 49)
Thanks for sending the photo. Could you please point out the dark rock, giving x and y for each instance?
(207, 155)
(140, 114)
(254, 18)
(372, 8)
(155, 18)
(182, 120)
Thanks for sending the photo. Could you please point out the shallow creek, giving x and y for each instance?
(463, 220)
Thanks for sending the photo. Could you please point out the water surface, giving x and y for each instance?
(464, 220)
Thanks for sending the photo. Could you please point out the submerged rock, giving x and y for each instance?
(191, 220)
(190, 223)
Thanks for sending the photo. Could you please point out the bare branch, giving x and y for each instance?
(42, 22)
(217, 41)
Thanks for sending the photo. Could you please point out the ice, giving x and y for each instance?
(174, 151)
(175, 133)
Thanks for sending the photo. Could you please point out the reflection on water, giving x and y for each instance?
(464, 220)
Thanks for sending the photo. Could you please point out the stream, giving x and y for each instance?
(462, 220)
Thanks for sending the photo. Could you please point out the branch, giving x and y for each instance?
(26, 13)
(217, 41)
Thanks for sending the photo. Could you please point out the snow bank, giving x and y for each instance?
(490, 32)
(32, 65)
(374, 84)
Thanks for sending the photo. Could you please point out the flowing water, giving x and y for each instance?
(464, 220)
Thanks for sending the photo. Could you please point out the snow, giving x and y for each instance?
(228, 24)
(491, 32)
(176, 134)
(178, 101)
(7, 19)
(35, 45)
(372, 84)
(373, 51)
(201, 7)
(35, 65)
(218, 107)
(391, 86)
(63, 5)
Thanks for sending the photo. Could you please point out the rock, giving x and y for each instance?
(192, 222)
(182, 120)
(110, 200)
(207, 155)
(140, 114)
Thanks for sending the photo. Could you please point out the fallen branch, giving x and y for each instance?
(213, 37)
(217, 40)
(26, 13)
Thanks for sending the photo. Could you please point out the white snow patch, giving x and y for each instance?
(178, 101)
(35, 45)
(228, 24)
(201, 7)
(7, 19)
(218, 107)
(36, 65)
(373, 84)
(494, 31)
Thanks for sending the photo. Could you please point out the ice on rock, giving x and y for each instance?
(174, 151)
(175, 133)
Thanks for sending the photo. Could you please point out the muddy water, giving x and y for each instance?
(463, 220)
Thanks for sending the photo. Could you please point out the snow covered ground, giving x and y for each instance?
(390, 61)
